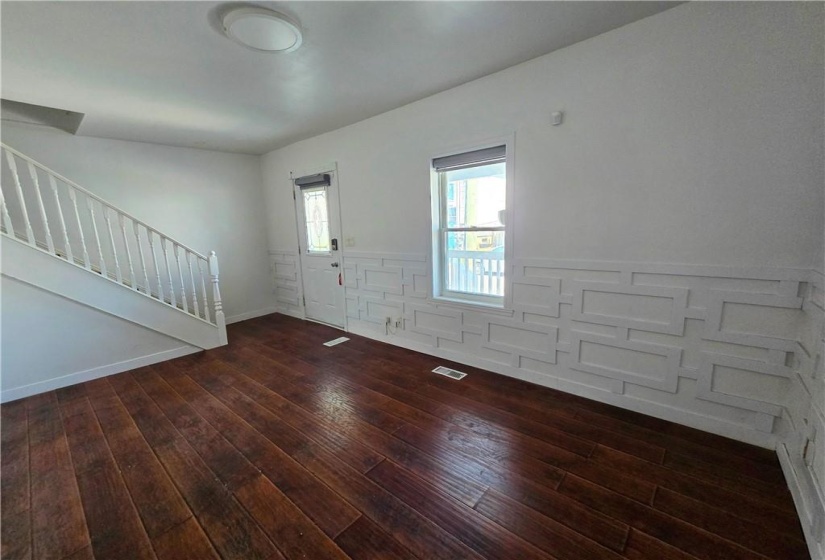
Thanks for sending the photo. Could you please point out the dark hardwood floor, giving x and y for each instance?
(279, 447)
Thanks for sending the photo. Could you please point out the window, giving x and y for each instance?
(469, 206)
(317, 220)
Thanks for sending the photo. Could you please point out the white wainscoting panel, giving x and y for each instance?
(711, 347)
(801, 429)
(285, 270)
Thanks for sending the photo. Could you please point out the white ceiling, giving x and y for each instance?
(160, 71)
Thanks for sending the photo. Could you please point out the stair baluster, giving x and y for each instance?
(203, 290)
(73, 197)
(62, 220)
(118, 274)
(192, 280)
(168, 272)
(6, 218)
(155, 263)
(26, 221)
(42, 208)
(93, 220)
(180, 277)
(146, 287)
(121, 218)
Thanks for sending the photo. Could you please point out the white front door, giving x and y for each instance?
(319, 235)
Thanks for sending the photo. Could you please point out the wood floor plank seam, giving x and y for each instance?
(231, 499)
(119, 460)
(398, 430)
(265, 387)
(241, 419)
(53, 407)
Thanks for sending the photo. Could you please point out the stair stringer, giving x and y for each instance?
(37, 267)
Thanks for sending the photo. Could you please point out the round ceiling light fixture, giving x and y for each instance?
(262, 30)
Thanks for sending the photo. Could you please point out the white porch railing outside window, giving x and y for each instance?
(476, 272)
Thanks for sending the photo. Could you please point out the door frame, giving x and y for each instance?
(332, 169)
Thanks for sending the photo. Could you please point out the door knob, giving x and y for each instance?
(334, 265)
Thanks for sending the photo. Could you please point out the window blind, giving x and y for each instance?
(469, 159)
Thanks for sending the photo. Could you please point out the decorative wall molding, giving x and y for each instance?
(688, 339)
(285, 272)
(801, 429)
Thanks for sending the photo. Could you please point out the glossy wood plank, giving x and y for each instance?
(235, 534)
(364, 540)
(454, 478)
(293, 532)
(15, 500)
(222, 458)
(159, 504)
(185, 541)
(331, 513)
(691, 539)
(757, 537)
(474, 530)
(58, 525)
(558, 539)
(414, 531)
(717, 489)
(114, 525)
(400, 397)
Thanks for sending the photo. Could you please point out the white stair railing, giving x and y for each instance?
(78, 240)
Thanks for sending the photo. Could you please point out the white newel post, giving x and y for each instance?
(220, 320)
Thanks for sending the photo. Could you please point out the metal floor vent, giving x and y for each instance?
(338, 340)
(451, 373)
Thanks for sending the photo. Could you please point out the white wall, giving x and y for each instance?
(207, 200)
(49, 342)
(690, 137)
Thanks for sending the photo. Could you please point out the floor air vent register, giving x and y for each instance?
(451, 373)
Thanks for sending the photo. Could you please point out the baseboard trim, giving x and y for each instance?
(734, 431)
(251, 315)
(94, 373)
(297, 313)
(807, 518)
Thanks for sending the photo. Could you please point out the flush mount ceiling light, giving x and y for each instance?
(262, 30)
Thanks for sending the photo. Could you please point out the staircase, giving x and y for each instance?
(61, 238)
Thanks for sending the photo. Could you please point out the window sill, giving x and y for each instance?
(470, 306)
